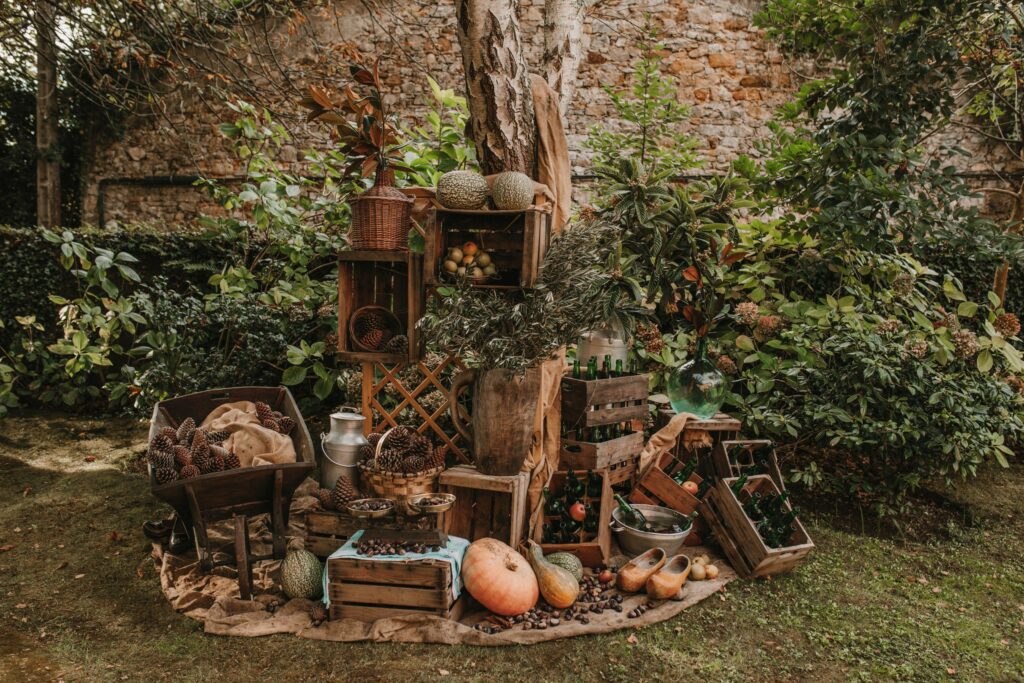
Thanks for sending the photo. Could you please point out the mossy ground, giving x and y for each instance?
(80, 600)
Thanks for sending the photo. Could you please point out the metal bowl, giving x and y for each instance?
(371, 514)
(633, 542)
(414, 503)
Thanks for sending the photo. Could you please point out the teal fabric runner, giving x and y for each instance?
(451, 553)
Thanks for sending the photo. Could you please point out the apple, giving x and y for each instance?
(691, 487)
(577, 511)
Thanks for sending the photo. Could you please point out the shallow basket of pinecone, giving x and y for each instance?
(401, 463)
(377, 330)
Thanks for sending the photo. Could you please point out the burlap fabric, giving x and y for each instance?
(251, 442)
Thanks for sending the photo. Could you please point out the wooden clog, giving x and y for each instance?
(634, 574)
(669, 580)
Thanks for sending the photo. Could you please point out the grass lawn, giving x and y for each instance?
(80, 600)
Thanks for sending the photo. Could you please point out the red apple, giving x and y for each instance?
(577, 511)
(691, 487)
(606, 576)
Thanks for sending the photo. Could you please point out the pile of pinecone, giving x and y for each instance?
(404, 451)
(188, 451)
(374, 333)
(274, 420)
(339, 497)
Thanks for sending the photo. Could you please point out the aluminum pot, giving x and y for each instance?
(634, 542)
(341, 447)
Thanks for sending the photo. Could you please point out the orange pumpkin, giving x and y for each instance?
(499, 578)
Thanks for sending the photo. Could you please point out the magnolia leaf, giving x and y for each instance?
(952, 291)
(294, 375)
(744, 343)
(967, 309)
(985, 360)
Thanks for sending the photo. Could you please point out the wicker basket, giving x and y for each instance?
(394, 326)
(396, 485)
(380, 216)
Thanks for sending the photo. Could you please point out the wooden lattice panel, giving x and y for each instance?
(433, 420)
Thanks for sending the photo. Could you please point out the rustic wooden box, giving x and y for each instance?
(516, 241)
(738, 536)
(657, 487)
(391, 279)
(598, 402)
(368, 590)
(731, 458)
(718, 428)
(485, 506)
(593, 549)
(587, 455)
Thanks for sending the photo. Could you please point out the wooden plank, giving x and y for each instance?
(467, 476)
(372, 255)
(722, 459)
(345, 296)
(398, 573)
(324, 546)
(591, 403)
(586, 455)
(369, 594)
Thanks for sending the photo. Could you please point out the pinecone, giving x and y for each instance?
(264, 412)
(182, 456)
(286, 424)
(390, 460)
(217, 436)
(271, 425)
(965, 343)
(171, 433)
(205, 463)
(219, 463)
(397, 344)
(747, 313)
(413, 464)
(372, 439)
(372, 339)
(420, 446)
(200, 445)
(185, 429)
(399, 439)
(318, 614)
(218, 450)
(231, 461)
(160, 442)
(344, 493)
(365, 453)
(437, 458)
(165, 474)
(369, 322)
(325, 497)
(160, 460)
(1007, 325)
(189, 471)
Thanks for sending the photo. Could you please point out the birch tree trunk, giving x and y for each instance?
(501, 122)
(563, 47)
(47, 131)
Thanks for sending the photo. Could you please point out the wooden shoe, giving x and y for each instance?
(667, 582)
(634, 574)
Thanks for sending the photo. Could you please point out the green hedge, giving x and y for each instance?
(30, 269)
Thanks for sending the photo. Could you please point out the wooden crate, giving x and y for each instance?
(368, 589)
(738, 536)
(382, 381)
(719, 428)
(657, 487)
(586, 455)
(326, 531)
(486, 506)
(392, 279)
(516, 241)
(593, 549)
(734, 457)
(598, 402)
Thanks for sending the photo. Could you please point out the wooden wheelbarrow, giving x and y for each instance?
(235, 494)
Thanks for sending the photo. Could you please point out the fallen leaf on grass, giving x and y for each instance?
(951, 671)
(21, 605)
(62, 565)
(444, 672)
(90, 458)
(114, 537)
(25, 491)
(936, 590)
(5, 548)
(632, 639)
(79, 576)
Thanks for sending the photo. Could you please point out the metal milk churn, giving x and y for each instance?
(341, 447)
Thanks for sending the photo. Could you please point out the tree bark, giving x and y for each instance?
(501, 122)
(563, 47)
(47, 117)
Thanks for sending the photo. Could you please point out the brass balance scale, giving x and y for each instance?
(408, 527)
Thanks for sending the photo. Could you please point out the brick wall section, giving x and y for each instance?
(726, 70)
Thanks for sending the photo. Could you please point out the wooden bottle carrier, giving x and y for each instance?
(732, 458)
(516, 241)
(738, 536)
(389, 280)
(656, 486)
(485, 505)
(597, 403)
(593, 548)
(239, 493)
(367, 590)
(720, 427)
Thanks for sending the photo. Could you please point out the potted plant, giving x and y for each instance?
(368, 137)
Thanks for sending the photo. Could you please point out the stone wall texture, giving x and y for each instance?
(726, 70)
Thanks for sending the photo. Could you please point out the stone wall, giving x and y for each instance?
(726, 70)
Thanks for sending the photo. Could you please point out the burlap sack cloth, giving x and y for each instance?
(212, 598)
(251, 442)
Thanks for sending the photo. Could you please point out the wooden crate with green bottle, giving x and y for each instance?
(602, 414)
(577, 512)
(735, 457)
(756, 525)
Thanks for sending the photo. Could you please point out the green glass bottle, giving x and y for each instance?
(592, 368)
(618, 367)
(606, 369)
(576, 369)
(629, 515)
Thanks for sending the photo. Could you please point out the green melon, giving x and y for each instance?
(568, 562)
(302, 575)
(462, 190)
(512, 191)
